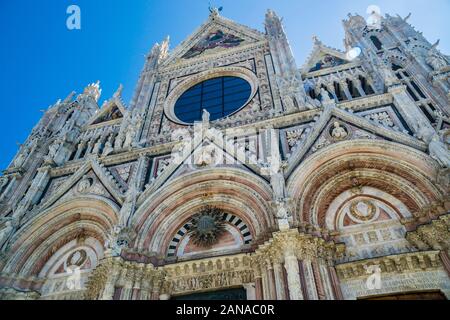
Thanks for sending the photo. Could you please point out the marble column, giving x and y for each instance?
(279, 281)
(445, 261)
(258, 287)
(80, 149)
(265, 284)
(358, 86)
(332, 90)
(309, 280)
(293, 277)
(250, 289)
(326, 281)
(318, 280)
(346, 90)
(336, 285)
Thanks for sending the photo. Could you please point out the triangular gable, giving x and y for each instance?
(366, 130)
(100, 171)
(216, 34)
(112, 113)
(210, 137)
(112, 110)
(323, 57)
(94, 187)
(227, 161)
(212, 42)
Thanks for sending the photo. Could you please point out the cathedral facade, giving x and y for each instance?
(234, 174)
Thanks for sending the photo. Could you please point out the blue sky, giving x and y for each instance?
(42, 61)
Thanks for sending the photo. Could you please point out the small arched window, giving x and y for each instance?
(376, 42)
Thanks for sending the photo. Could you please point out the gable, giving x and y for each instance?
(323, 57)
(88, 184)
(113, 113)
(336, 125)
(112, 110)
(325, 61)
(212, 42)
(92, 177)
(215, 35)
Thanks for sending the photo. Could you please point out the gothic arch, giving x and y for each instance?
(232, 190)
(42, 236)
(401, 171)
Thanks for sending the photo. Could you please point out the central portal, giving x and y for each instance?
(230, 294)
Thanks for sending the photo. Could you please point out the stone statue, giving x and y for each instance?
(52, 150)
(3, 183)
(5, 234)
(20, 159)
(84, 185)
(436, 60)
(129, 136)
(108, 148)
(111, 243)
(282, 211)
(325, 97)
(439, 151)
(128, 205)
(97, 147)
(205, 117)
(278, 184)
(207, 156)
(339, 132)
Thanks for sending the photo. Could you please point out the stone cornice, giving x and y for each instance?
(408, 262)
(328, 71)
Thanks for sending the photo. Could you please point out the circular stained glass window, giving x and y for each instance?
(220, 96)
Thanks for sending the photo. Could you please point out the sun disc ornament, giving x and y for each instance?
(207, 226)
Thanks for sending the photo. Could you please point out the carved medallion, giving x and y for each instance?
(84, 185)
(77, 258)
(363, 210)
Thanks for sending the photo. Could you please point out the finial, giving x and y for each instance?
(94, 90)
(118, 92)
(214, 11)
(407, 17)
(316, 40)
(434, 46)
(69, 97)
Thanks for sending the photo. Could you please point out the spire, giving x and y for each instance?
(69, 97)
(274, 25)
(93, 90)
(158, 53)
(118, 92)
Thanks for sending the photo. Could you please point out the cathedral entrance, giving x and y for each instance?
(230, 294)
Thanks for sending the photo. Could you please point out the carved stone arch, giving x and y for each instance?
(235, 235)
(80, 218)
(396, 57)
(233, 190)
(402, 171)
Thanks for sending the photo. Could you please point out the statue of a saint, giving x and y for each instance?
(339, 132)
(439, 151)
